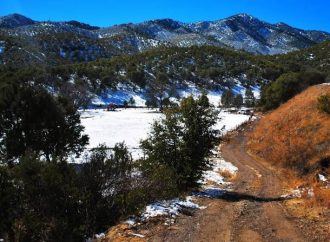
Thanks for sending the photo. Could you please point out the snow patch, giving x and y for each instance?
(218, 165)
(322, 178)
(168, 209)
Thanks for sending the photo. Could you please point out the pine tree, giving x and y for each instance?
(31, 119)
(249, 98)
(238, 100)
(157, 90)
(183, 140)
(131, 101)
(227, 98)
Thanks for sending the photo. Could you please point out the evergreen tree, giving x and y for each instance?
(183, 140)
(227, 98)
(323, 103)
(238, 100)
(125, 103)
(249, 98)
(157, 90)
(31, 119)
(131, 101)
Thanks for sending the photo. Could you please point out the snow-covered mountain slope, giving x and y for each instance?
(15, 20)
(74, 41)
(122, 94)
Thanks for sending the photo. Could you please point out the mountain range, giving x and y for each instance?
(26, 41)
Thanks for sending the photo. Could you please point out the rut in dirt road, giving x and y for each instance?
(251, 211)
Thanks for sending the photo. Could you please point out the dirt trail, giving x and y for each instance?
(252, 211)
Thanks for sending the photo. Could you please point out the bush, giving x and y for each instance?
(323, 103)
(183, 140)
(57, 201)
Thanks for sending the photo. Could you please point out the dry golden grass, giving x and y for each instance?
(229, 176)
(296, 136)
(121, 233)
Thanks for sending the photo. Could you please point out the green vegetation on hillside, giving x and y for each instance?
(323, 103)
(287, 86)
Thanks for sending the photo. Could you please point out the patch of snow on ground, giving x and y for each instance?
(168, 209)
(137, 235)
(100, 236)
(118, 97)
(218, 165)
(299, 192)
(230, 121)
(322, 178)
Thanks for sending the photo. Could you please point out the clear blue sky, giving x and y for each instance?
(306, 14)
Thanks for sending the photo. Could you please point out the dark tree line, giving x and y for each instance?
(287, 86)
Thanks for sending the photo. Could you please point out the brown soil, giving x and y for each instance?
(252, 211)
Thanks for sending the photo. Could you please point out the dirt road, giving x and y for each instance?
(252, 211)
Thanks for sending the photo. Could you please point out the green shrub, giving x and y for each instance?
(323, 103)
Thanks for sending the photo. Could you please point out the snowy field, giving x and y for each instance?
(133, 125)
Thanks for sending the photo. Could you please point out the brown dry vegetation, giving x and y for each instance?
(297, 136)
(121, 233)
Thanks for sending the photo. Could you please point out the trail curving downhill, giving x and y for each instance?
(252, 211)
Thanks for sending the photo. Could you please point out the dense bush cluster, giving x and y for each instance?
(287, 86)
(58, 201)
(33, 120)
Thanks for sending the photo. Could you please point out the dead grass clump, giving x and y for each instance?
(121, 233)
(322, 197)
(229, 176)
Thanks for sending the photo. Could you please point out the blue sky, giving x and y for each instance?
(306, 14)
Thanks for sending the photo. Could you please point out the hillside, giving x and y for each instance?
(184, 70)
(187, 70)
(24, 41)
(296, 135)
(316, 57)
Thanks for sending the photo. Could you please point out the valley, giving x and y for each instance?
(164, 122)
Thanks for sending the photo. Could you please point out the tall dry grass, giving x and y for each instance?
(296, 137)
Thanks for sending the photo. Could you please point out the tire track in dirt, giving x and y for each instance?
(251, 211)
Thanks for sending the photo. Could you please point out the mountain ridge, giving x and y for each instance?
(72, 41)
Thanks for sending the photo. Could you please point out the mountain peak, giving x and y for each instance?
(168, 23)
(82, 25)
(15, 20)
(244, 16)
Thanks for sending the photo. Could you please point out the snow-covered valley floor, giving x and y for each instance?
(133, 125)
